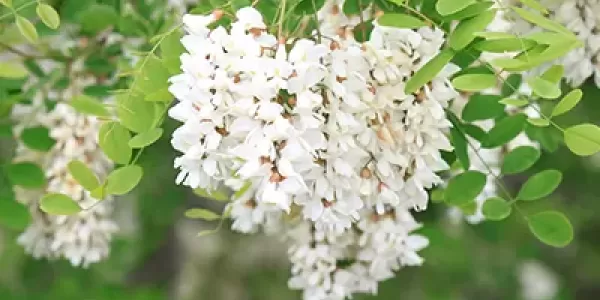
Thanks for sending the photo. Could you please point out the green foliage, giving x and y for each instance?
(97, 17)
(26, 174)
(567, 103)
(27, 29)
(204, 214)
(113, 138)
(464, 33)
(84, 176)
(544, 88)
(48, 15)
(121, 181)
(12, 70)
(448, 7)
(583, 139)
(37, 138)
(428, 71)
(474, 82)
(552, 228)
(89, 106)
(520, 159)
(399, 20)
(504, 131)
(13, 215)
(482, 107)
(463, 188)
(145, 139)
(540, 185)
(496, 209)
(59, 204)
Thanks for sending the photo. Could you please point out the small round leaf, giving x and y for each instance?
(540, 185)
(26, 174)
(113, 138)
(37, 138)
(583, 139)
(520, 159)
(496, 209)
(121, 181)
(59, 204)
(83, 175)
(48, 15)
(27, 29)
(145, 138)
(552, 228)
(464, 188)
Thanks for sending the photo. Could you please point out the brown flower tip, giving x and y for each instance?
(366, 173)
(218, 14)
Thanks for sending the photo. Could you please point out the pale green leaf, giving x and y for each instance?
(59, 204)
(543, 88)
(583, 139)
(27, 29)
(121, 181)
(48, 15)
(429, 71)
(82, 174)
(567, 103)
(147, 138)
(535, 5)
(218, 195)
(199, 213)
(517, 102)
(538, 122)
(464, 33)
(552, 228)
(474, 82)
(89, 106)
(542, 21)
(399, 20)
(540, 185)
(447, 7)
(113, 139)
(12, 70)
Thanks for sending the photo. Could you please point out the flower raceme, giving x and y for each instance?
(317, 138)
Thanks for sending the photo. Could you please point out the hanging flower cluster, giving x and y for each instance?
(320, 132)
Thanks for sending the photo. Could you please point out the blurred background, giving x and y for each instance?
(158, 255)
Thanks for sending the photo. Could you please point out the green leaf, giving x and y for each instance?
(474, 82)
(552, 228)
(553, 74)
(98, 17)
(135, 113)
(99, 193)
(82, 174)
(518, 102)
(48, 15)
(505, 131)
(482, 107)
(89, 106)
(14, 215)
(147, 138)
(26, 174)
(437, 195)
(504, 45)
(535, 5)
(544, 88)
(37, 138)
(464, 33)
(7, 3)
(511, 85)
(170, 51)
(459, 141)
(113, 139)
(308, 7)
(567, 103)
(583, 139)
(400, 21)
(162, 95)
(538, 122)
(447, 7)
(541, 21)
(12, 70)
(540, 185)
(121, 181)
(27, 29)
(199, 213)
(59, 204)
(470, 11)
(464, 188)
(429, 71)
(496, 209)
(520, 159)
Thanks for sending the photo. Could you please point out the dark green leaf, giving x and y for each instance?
(505, 131)
(459, 141)
(13, 215)
(26, 174)
(482, 107)
(37, 138)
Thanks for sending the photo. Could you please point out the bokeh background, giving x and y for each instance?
(157, 254)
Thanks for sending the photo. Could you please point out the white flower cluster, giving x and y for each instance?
(83, 238)
(582, 17)
(318, 132)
